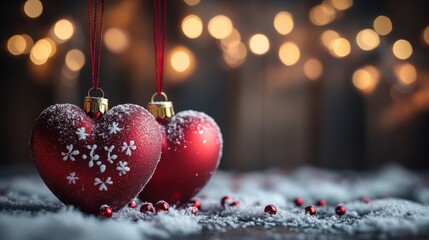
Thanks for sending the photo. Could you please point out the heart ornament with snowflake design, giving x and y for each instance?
(93, 161)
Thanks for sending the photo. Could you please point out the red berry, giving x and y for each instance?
(193, 209)
(132, 204)
(321, 203)
(340, 210)
(146, 207)
(235, 204)
(366, 200)
(271, 209)
(225, 200)
(196, 203)
(105, 211)
(310, 209)
(162, 206)
(298, 202)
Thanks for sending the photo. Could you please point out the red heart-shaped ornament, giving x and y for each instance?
(90, 163)
(191, 151)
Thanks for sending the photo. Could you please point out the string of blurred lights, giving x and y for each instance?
(235, 50)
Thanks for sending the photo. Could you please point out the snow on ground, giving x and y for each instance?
(399, 208)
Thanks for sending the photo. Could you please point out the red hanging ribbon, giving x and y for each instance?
(159, 25)
(92, 26)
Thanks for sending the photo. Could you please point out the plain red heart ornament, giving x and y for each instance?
(89, 162)
(191, 152)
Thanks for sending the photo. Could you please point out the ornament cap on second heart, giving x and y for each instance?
(161, 110)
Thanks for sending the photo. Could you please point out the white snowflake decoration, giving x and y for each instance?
(122, 168)
(72, 178)
(94, 157)
(81, 133)
(128, 148)
(103, 185)
(110, 156)
(70, 153)
(113, 129)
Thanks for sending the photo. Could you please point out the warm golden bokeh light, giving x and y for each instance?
(367, 39)
(220, 26)
(365, 79)
(28, 43)
(406, 73)
(16, 45)
(192, 26)
(233, 40)
(382, 25)
(52, 44)
(63, 30)
(33, 8)
(259, 44)
(402, 49)
(192, 2)
(41, 51)
(181, 59)
(313, 69)
(289, 53)
(234, 56)
(426, 35)
(283, 22)
(116, 40)
(328, 37)
(341, 4)
(340, 48)
(322, 14)
(75, 59)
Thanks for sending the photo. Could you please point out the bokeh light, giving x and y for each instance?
(366, 79)
(340, 48)
(406, 73)
(116, 40)
(16, 45)
(181, 59)
(328, 37)
(426, 35)
(382, 25)
(233, 40)
(289, 53)
(28, 43)
(259, 44)
(220, 26)
(322, 14)
(41, 51)
(192, 26)
(63, 30)
(341, 4)
(235, 55)
(192, 2)
(75, 59)
(283, 22)
(402, 49)
(367, 39)
(33, 8)
(313, 69)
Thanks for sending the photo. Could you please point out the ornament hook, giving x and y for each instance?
(98, 89)
(161, 94)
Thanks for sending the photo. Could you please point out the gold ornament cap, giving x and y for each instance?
(161, 109)
(93, 105)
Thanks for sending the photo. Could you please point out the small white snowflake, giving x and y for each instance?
(103, 185)
(94, 157)
(122, 168)
(72, 178)
(110, 156)
(70, 153)
(113, 129)
(128, 148)
(81, 133)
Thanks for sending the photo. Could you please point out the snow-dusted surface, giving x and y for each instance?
(28, 210)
